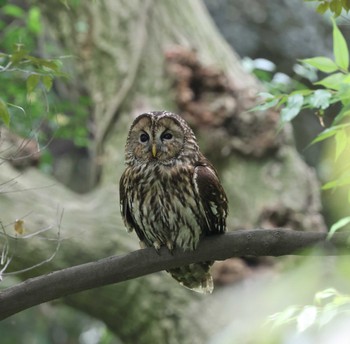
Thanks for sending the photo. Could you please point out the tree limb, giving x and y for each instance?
(115, 269)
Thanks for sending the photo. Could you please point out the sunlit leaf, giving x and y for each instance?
(4, 113)
(304, 92)
(284, 317)
(324, 64)
(325, 294)
(19, 227)
(324, 135)
(320, 99)
(333, 81)
(51, 64)
(339, 224)
(336, 7)
(293, 107)
(13, 10)
(34, 20)
(306, 318)
(18, 55)
(47, 82)
(342, 181)
(266, 96)
(266, 105)
(322, 7)
(346, 4)
(328, 313)
(340, 48)
(32, 82)
(41, 63)
(341, 141)
(306, 71)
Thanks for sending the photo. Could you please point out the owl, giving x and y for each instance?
(170, 194)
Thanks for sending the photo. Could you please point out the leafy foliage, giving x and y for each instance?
(309, 321)
(335, 6)
(335, 89)
(26, 80)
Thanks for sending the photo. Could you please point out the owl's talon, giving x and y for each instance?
(156, 245)
(142, 244)
(170, 247)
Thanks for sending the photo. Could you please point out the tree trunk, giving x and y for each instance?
(126, 60)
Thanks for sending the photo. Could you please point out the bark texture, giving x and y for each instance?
(117, 269)
(122, 53)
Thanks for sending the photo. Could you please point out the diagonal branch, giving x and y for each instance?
(259, 242)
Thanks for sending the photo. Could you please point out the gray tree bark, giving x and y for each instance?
(120, 47)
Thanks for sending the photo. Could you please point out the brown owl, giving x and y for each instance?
(170, 194)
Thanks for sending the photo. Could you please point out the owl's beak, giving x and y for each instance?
(154, 150)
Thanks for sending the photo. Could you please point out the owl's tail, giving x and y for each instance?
(195, 277)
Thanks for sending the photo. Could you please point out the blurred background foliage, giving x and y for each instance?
(28, 67)
(36, 102)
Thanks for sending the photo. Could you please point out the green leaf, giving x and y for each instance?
(344, 180)
(34, 20)
(284, 317)
(346, 5)
(293, 107)
(333, 81)
(320, 99)
(266, 105)
(322, 7)
(336, 226)
(18, 55)
(340, 48)
(341, 141)
(32, 82)
(303, 92)
(41, 63)
(305, 71)
(13, 10)
(325, 294)
(324, 135)
(345, 111)
(336, 7)
(306, 318)
(4, 113)
(47, 81)
(51, 64)
(324, 64)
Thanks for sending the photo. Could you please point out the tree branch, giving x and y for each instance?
(115, 269)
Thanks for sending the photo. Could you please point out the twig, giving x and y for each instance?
(259, 242)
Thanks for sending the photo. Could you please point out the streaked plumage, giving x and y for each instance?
(170, 193)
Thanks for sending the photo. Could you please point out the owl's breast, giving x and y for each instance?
(165, 207)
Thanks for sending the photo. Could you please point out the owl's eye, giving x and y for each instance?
(144, 137)
(167, 136)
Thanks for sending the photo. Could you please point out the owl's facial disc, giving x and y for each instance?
(168, 139)
(160, 140)
(140, 137)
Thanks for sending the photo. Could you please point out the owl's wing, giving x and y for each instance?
(125, 210)
(213, 197)
(124, 206)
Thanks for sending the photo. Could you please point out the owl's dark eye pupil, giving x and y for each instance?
(144, 137)
(167, 136)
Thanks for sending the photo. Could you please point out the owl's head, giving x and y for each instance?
(159, 136)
